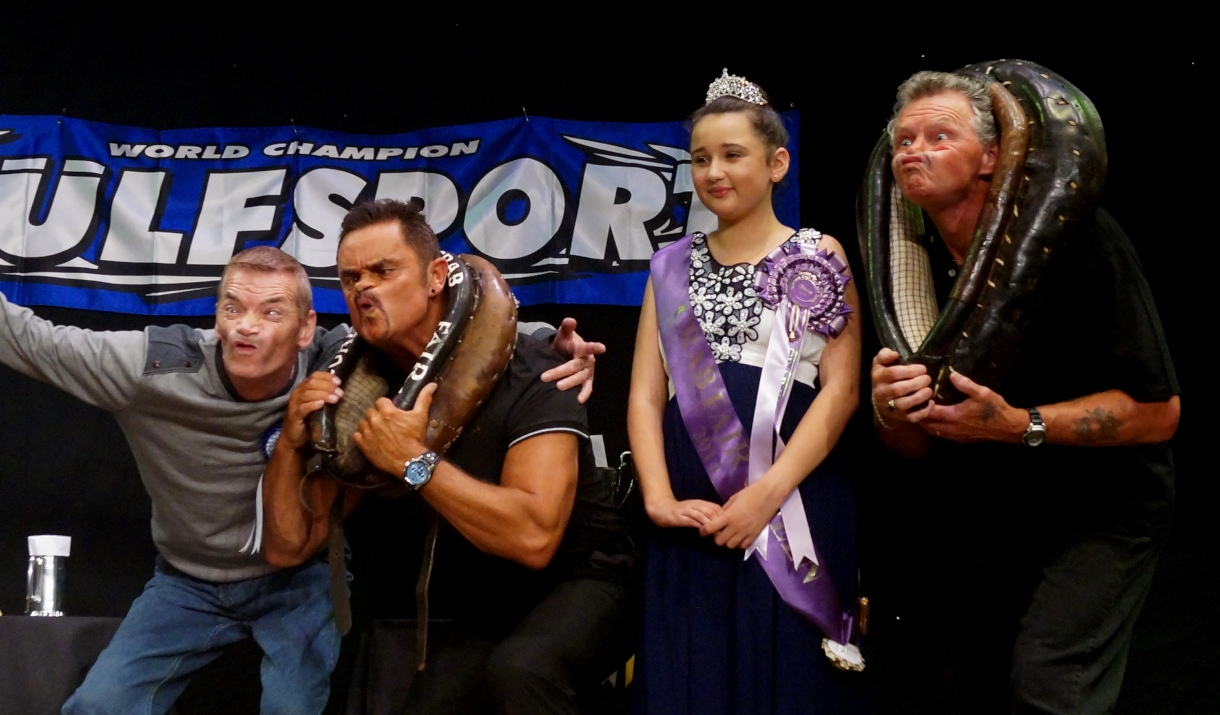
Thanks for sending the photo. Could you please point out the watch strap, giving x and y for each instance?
(1035, 433)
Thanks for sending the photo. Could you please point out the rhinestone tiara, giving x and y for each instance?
(730, 85)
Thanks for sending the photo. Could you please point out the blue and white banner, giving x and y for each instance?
(133, 220)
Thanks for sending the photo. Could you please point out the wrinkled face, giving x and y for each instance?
(385, 286)
(731, 167)
(260, 331)
(938, 159)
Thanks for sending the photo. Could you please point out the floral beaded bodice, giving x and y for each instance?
(724, 299)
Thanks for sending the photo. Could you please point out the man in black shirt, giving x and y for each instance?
(1049, 503)
(532, 560)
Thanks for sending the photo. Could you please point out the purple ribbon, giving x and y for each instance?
(723, 446)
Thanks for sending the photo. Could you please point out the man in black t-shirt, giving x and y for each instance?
(532, 559)
(1045, 507)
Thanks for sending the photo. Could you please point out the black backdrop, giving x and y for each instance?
(64, 467)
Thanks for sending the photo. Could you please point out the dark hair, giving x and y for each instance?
(416, 232)
(267, 259)
(766, 121)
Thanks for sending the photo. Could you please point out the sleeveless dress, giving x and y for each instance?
(715, 637)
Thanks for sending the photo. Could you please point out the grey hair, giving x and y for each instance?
(267, 259)
(927, 83)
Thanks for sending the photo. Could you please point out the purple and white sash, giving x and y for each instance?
(805, 287)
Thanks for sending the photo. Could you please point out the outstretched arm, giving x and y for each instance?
(645, 405)
(100, 368)
(747, 512)
(296, 519)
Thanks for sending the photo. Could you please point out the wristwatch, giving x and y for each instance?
(1035, 433)
(418, 471)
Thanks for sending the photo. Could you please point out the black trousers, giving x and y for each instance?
(570, 641)
(994, 632)
(1072, 648)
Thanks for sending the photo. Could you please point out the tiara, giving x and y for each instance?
(730, 85)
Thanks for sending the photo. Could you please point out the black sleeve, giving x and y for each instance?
(1140, 364)
(540, 407)
(325, 344)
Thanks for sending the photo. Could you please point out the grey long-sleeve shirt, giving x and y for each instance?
(197, 447)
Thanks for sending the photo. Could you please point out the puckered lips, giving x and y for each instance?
(367, 302)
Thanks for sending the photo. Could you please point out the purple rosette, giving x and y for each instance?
(812, 281)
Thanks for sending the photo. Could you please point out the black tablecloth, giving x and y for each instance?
(43, 660)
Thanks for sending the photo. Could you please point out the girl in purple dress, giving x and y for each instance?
(717, 636)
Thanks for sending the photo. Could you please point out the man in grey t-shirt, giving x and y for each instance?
(197, 408)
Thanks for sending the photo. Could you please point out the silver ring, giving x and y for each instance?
(890, 405)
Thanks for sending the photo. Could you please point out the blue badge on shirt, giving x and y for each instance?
(270, 437)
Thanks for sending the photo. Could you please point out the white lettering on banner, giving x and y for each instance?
(238, 206)
(70, 219)
(322, 198)
(515, 210)
(617, 201)
(464, 148)
(183, 151)
(527, 180)
(292, 148)
(183, 222)
(438, 192)
(135, 211)
(349, 153)
(126, 149)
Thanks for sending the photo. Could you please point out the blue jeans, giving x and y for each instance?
(180, 624)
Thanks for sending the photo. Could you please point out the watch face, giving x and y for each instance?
(417, 473)
(1035, 438)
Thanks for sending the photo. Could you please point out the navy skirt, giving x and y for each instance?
(715, 636)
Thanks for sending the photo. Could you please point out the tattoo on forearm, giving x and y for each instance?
(989, 411)
(1098, 425)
